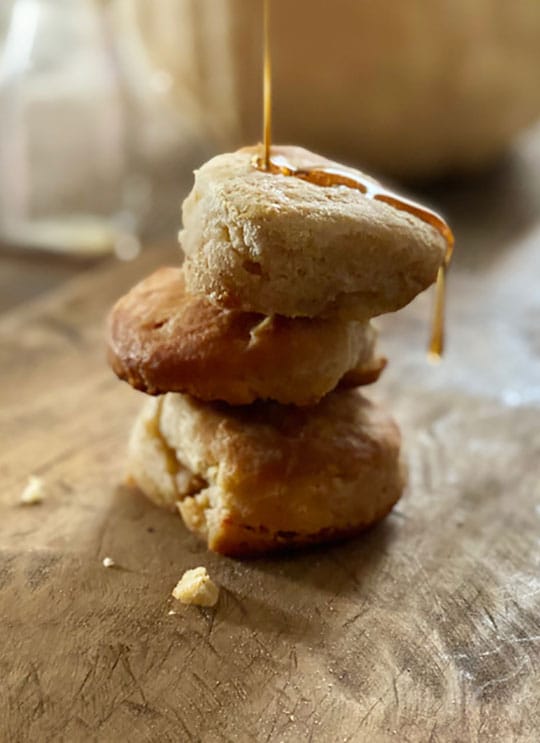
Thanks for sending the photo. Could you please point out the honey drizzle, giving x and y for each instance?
(267, 88)
(372, 189)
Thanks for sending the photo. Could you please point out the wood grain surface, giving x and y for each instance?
(425, 629)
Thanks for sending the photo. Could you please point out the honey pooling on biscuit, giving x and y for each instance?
(372, 189)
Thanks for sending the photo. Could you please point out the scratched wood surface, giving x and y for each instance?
(427, 628)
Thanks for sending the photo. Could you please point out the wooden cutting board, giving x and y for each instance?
(425, 629)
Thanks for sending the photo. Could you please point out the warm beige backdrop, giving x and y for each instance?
(413, 88)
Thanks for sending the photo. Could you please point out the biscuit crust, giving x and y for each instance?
(163, 339)
(276, 244)
(265, 477)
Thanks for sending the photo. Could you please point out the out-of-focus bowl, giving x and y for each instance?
(415, 88)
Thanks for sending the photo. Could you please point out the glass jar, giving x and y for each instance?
(63, 141)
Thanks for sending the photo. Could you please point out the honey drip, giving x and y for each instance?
(322, 175)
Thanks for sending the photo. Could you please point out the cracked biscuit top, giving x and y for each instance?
(276, 244)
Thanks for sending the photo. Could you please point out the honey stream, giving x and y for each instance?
(326, 176)
(267, 88)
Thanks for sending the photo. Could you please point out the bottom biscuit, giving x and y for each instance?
(267, 476)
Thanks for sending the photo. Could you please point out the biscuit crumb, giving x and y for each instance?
(196, 587)
(34, 492)
(108, 562)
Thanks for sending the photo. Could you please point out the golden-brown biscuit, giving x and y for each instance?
(162, 339)
(267, 476)
(277, 244)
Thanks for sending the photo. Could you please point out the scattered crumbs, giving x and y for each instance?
(291, 718)
(108, 562)
(196, 587)
(171, 612)
(34, 492)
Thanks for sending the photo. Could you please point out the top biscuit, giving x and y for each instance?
(275, 244)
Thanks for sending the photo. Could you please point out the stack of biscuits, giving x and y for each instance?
(254, 352)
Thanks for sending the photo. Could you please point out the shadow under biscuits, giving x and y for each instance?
(334, 567)
(293, 593)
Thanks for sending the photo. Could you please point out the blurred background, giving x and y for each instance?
(106, 106)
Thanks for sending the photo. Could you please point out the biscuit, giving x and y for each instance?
(275, 244)
(162, 339)
(266, 476)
